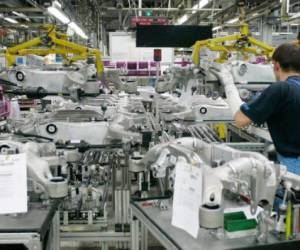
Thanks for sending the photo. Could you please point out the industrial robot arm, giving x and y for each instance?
(54, 43)
(222, 72)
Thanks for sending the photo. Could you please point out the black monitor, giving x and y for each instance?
(172, 36)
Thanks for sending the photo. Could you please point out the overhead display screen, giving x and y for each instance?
(172, 36)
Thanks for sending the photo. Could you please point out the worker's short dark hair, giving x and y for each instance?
(288, 56)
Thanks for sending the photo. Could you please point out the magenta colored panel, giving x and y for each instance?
(106, 63)
(143, 65)
(121, 65)
(131, 65)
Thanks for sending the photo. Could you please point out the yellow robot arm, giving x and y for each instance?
(242, 42)
(54, 43)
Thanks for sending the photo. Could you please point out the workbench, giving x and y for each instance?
(38, 229)
(158, 223)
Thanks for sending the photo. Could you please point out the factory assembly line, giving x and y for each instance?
(97, 150)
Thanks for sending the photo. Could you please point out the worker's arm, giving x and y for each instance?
(222, 72)
(270, 101)
(241, 120)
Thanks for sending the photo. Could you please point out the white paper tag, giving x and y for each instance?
(187, 198)
(13, 183)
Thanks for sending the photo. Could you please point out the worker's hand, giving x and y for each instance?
(222, 72)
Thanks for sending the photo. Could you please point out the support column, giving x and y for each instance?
(266, 30)
(140, 6)
(189, 4)
(134, 234)
(144, 237)
(56, 231)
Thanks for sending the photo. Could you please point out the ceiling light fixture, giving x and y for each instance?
(8, 19)
(56, 4)
(233, 20)
(55, 10)
(217, 28)
(78, 30)
(199, 5)
(281, 33)
(21, 15)
(182, 19)
(296, 15)
(58, 14)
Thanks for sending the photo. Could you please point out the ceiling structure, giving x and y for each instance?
(97, 17)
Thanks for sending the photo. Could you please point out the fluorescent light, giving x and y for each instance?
(295, 15)
(216, 28)
(8, 19)
(202, 3)
(58, 14)
(21, 15)
(78, 30)
(182, 19)
(281, 33)
(255, 14)
(56, 4)
(233, 20)
(199, 5)
(24, 26)
(294, 24)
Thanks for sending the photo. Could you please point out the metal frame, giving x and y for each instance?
(248, 146)
(103, 237)
(147, 225)
(30, 240)
(33, 240)
(251, 133)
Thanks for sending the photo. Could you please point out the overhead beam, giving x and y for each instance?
(163, 9)
(21, 9)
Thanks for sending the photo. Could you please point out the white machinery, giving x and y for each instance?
(248, 174)
(53, 77)
(41, 157)
(193, 108)
(95, 120)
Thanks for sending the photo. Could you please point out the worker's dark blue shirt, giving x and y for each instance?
(279, 107)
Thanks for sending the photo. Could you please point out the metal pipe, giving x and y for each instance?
(140, 7)
(163, 9)
(116, 204)
(10, 9)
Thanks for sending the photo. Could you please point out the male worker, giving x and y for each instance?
(278, 105)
